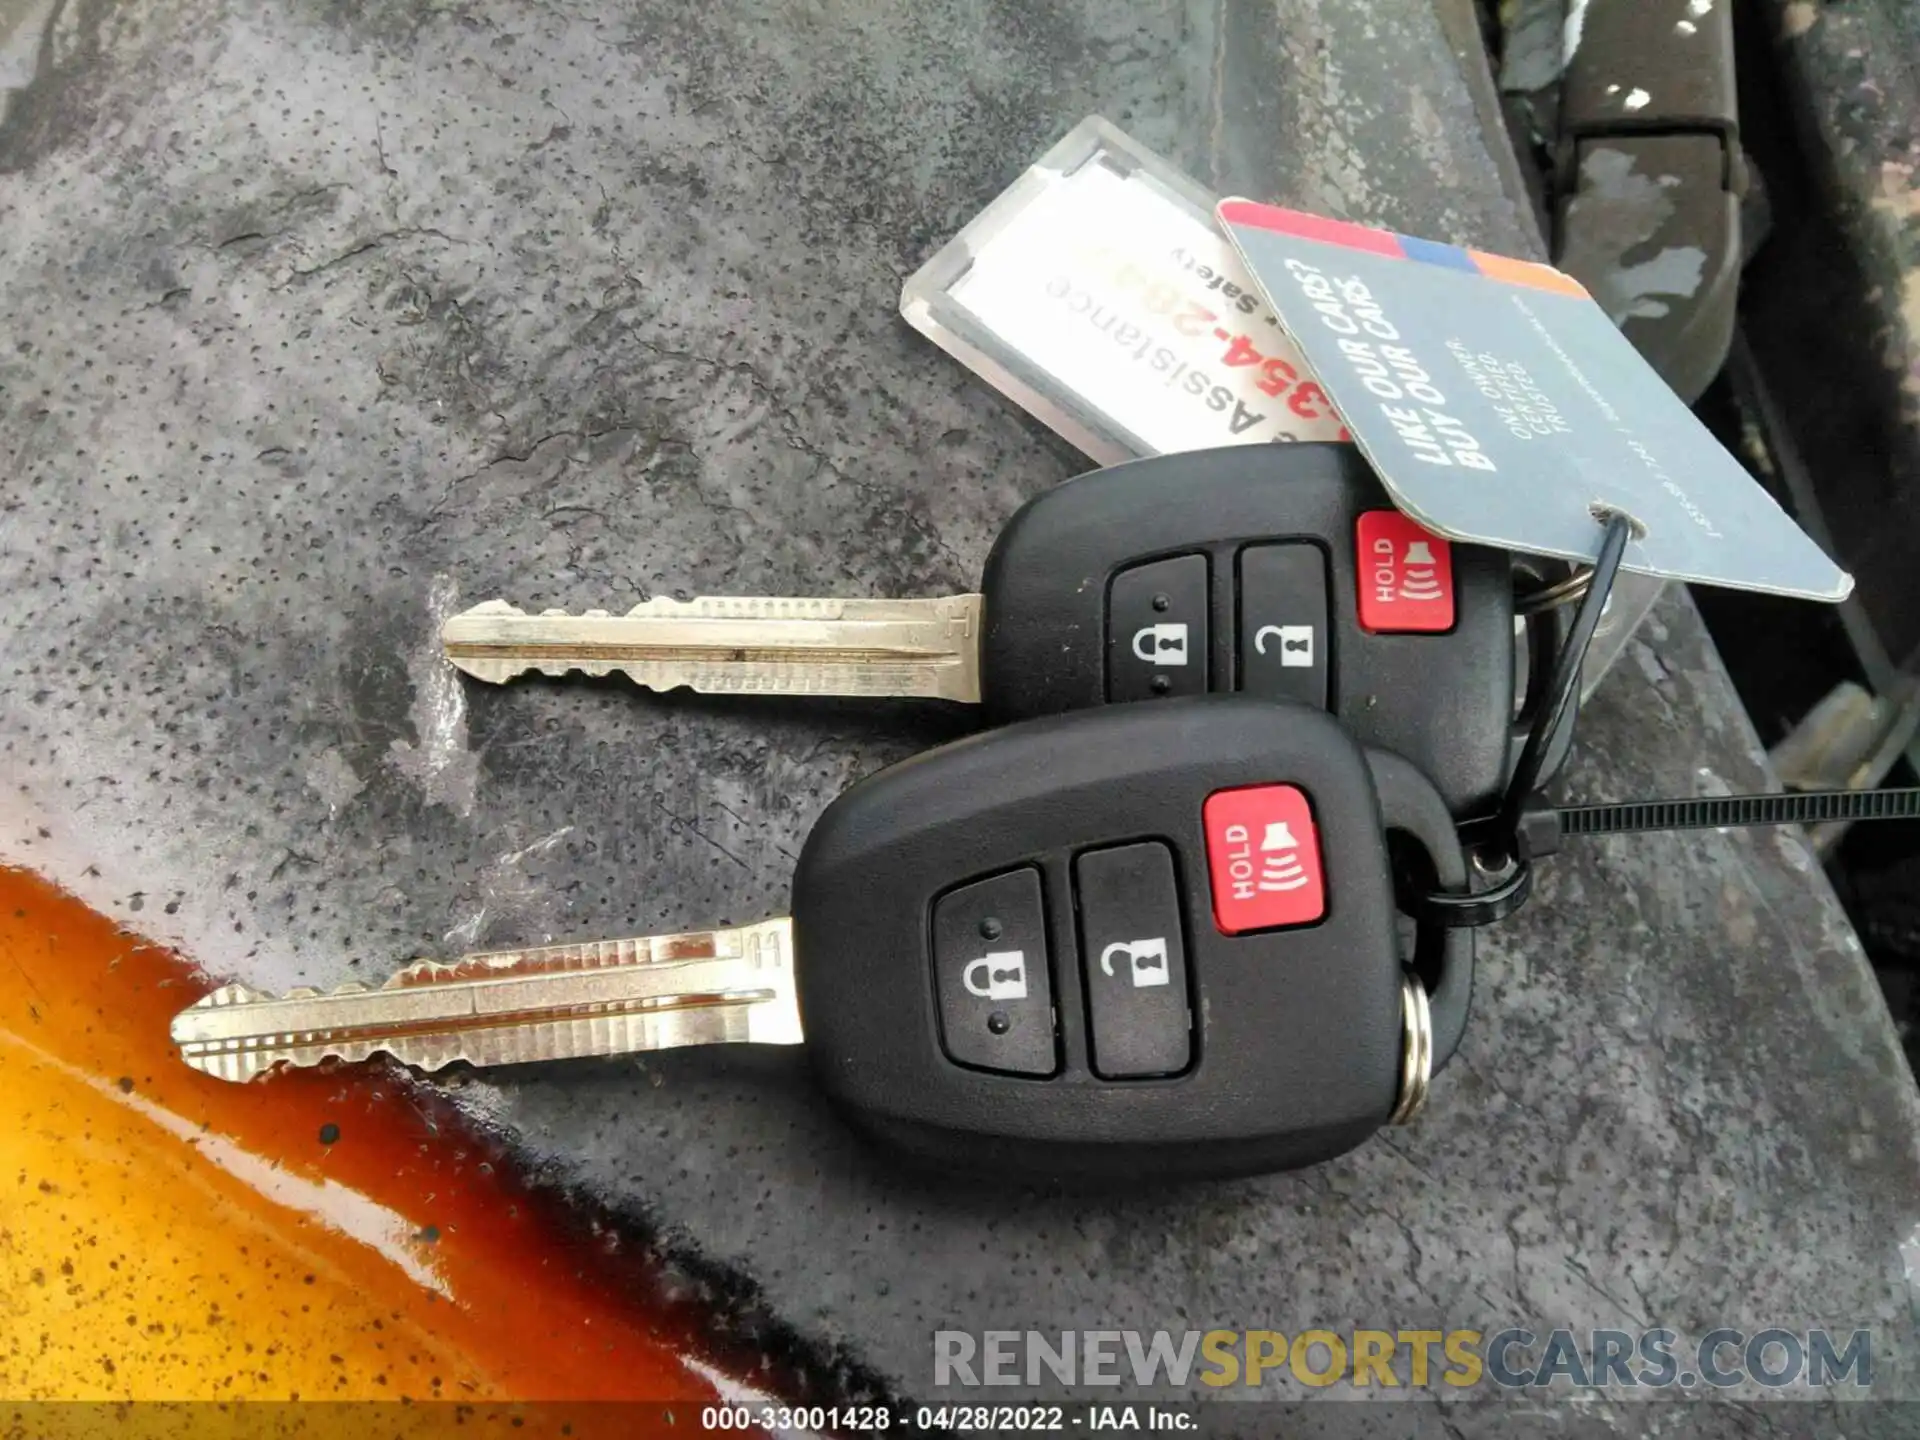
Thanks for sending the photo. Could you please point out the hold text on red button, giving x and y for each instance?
(1263, 858)
(1406, 575)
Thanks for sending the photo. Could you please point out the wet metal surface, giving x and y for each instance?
(337, 1238)
(323, 321)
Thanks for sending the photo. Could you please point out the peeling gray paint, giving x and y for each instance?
(438, 759)
(1618, 210)
(333, 779)
(514, 894)
(1636, 289)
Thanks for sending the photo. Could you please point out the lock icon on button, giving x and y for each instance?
(1164, 644)
(997, 975)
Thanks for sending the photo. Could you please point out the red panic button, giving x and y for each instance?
(1263, 857)
(1406, 575)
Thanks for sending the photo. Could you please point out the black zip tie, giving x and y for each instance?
(1543, 826)
(1480, 907)
(1526, 827)
(1732, 812)
(1499, 834)
(1564, 688)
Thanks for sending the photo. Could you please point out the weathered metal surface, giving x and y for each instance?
(323, 321)
(1834, 300)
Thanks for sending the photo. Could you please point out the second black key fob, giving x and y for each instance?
(1132, 944)
(1282, 571)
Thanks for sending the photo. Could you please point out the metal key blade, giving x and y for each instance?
(561, 1002)
(738, 645)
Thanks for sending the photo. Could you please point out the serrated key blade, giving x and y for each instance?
(738, 645)
(558, 1002)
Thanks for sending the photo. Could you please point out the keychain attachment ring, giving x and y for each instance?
(1416, 1051)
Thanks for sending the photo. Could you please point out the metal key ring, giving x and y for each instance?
(1416, 1053)
(1551, 597)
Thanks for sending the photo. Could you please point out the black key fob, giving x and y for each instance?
(1282, 571)
(1133, 943)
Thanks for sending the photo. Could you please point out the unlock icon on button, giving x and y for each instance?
(1147, 957)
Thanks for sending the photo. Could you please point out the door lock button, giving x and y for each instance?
(990, 969)
(1157, 630)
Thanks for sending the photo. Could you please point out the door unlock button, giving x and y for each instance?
(1284, 641)
(1134, 966)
